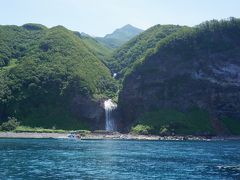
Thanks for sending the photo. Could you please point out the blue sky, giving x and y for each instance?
(99, 17)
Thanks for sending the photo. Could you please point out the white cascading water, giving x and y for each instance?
(109, 106)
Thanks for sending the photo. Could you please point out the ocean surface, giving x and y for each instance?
(118, 159)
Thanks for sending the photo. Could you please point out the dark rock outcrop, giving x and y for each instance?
(200, 69)
(89, 110)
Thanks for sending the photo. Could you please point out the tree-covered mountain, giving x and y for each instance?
(124, 58)
(98, 49)
(51, 77)
(189, 84)
(119, 36)
(175, 79)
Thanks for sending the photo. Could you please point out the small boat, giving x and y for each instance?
(73, 136)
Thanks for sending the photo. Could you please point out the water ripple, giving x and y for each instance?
(98, 159)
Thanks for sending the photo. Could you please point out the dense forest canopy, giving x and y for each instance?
(165, 77)
(43, 69)
(124, 58)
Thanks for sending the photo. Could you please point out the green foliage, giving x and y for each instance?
(167, 121)
(10, 125)
(232, 125)
(165, 130)
(21, 129)
(164, 75)
(34, 27)
(182, 41)
(99, 50)
(43, 70)
(124, 58)
(141, 129)
(215, 36)
(110, 43)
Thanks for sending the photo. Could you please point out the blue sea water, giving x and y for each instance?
(118, 159)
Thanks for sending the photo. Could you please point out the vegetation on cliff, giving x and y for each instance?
(171, 122)
(193, 67)
(43, 70)
(124, 58)
(175, 79)
(98, 49)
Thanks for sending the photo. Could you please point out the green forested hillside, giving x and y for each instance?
(174, 79)
(133, 51)
(14, 41)
(98, 49)
(43, 71)
(188, 84)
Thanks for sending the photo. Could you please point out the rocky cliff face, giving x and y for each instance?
(91, 111)
(200, 69)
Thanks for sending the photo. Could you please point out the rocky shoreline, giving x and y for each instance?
(119, 136)
(32, 135)
(115, 136)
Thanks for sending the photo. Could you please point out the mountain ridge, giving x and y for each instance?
(124, 58)
(119, 36)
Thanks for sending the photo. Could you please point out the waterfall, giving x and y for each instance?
(109, 106)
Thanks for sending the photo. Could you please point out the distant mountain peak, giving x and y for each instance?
(120, 36)
(128, 31)
(129, 26)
